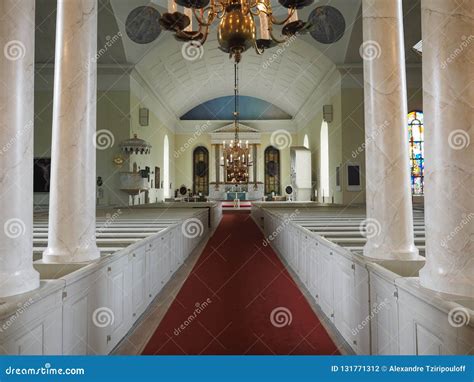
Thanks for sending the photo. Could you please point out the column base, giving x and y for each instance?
(388, 254)
(455, 284)
(13, 283)
(63, 256)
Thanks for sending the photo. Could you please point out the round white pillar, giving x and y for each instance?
(17, 36)
(448, 101)
(71, 236)
(388, 193)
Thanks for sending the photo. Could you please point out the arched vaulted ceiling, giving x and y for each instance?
(286, 82)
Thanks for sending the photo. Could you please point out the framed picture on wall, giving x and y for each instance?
(353, 177)
(157, 177)
(42, 174)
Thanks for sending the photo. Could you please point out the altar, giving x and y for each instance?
(233, 195)
(242, 192)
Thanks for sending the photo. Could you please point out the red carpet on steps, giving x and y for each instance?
(225, 306)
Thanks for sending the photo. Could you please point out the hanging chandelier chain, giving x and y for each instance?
(236, 101)
(237, 154)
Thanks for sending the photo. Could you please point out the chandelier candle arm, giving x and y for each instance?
(293, 15)
(172, 6)
(260, 5)
(276, 39)
(291, 12)
(264, 32)
(189, 12)
(200, 18)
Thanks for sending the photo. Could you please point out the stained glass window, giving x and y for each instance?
(417, 156)
(272, 170)
(201, 171)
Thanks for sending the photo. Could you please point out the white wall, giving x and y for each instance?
(346, 132)
(159, 126)
(112, 115)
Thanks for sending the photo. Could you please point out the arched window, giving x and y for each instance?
(324, 160)
(166, 167)
(417, 157)
(201, 171)
(306, 141)
(272, 170)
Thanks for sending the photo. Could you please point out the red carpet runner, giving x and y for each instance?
(239, 299)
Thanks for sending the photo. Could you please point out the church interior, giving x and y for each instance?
(236, 177)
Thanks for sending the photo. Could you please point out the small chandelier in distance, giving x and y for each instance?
(237, 31)
(236, 156)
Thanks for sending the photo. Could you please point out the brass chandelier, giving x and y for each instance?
(236, 156)
(237, 30)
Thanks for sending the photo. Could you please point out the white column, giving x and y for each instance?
(73, 155)
(448, 100)
(222, 175)
(17, 36)
(217, 159)
(389, 206)
(254, 165)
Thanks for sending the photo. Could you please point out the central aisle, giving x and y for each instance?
(239, 299)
